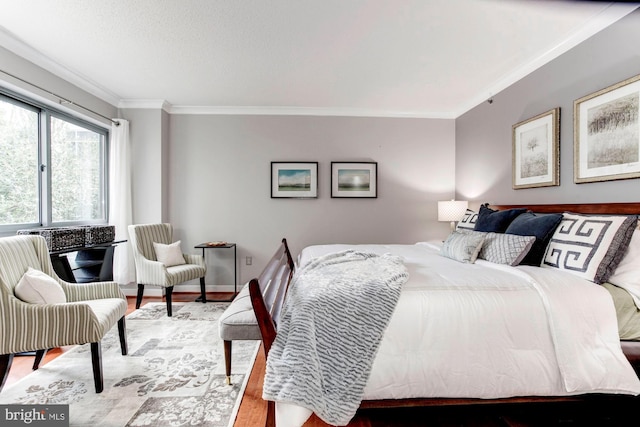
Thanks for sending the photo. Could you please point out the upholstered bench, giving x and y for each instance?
(238, 322)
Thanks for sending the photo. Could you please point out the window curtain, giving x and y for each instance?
(120, 203)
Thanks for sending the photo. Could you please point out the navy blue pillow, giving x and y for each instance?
(496, 221)
(541, 226)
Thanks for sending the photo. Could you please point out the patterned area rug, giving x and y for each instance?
(172, 376)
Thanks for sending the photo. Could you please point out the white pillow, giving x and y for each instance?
(36, 287)
(463, 247)
(169, 255)
(627, 274)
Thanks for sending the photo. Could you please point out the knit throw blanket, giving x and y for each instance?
(337, 308)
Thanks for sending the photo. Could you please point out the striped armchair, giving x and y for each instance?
(149, 271)
(90, 312)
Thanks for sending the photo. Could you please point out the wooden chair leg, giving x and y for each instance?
(122, 331)
(139, 296)
(168, 296)
(39, 355)
(96, 361)
(5, 366)
(227, 360)
(203, 294)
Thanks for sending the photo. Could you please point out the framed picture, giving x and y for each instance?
(536, 151)
(607, 133)
(354, 179)
(294, 180)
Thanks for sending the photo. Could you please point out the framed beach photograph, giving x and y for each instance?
(297, 180)
(536, 151)
(607, 133)
(354, 179)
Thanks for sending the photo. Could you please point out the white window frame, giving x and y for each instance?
(45, 113)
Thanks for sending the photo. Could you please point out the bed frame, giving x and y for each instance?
(631, 349)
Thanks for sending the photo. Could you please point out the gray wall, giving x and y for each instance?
(483, 135)
(220, 171)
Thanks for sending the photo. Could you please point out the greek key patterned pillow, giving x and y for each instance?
(507, 249)
(590, 246)
(468, 222)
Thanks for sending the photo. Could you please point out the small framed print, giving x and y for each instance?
(354, 179)
(606, 133)
(298, 180)
(536, 151)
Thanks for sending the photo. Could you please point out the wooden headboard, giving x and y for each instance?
(585, 208)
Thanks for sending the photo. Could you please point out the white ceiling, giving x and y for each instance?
(400, 58)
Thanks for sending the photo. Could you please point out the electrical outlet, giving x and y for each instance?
(249, 260)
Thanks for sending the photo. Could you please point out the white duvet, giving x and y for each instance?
(485, 330)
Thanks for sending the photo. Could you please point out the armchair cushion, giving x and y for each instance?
(36, 287)
(169, 255)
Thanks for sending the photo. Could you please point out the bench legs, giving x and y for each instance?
(227, 360)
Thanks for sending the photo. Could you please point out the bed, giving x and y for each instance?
(455, 330)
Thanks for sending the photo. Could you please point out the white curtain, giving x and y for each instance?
(120, 203)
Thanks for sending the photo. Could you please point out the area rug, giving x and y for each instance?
(173, 375)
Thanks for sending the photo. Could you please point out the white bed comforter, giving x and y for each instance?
(489, 331)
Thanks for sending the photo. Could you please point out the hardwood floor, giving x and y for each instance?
(252, 408)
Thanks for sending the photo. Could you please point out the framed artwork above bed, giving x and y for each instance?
(294, 180)
(607, 133)
(536, 151)
(354, 179)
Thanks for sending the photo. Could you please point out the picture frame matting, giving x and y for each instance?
(536, 151)
(354, 179)
(298, 180)
(607, 133)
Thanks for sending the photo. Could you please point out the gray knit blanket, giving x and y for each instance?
(336, 311)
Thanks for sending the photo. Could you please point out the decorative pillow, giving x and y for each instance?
(468, 221)
(508, 249)
(36, 287)
(496, 221)
(627, 274)
(169, 255)
(590, 246)
(540, 226)
(463, 247)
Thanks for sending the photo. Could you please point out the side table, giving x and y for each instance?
(225, 245)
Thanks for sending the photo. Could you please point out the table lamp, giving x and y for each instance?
(452, 210)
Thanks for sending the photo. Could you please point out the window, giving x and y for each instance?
(53, 167)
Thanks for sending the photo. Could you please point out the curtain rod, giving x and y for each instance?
(62, 100)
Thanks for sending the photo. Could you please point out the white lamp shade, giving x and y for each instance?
(452, 210)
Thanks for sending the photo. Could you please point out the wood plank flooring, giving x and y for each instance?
(252, 408)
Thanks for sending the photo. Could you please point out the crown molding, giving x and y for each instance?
(305, 111)
(150, 104)
(613, 13)
(20, 48)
